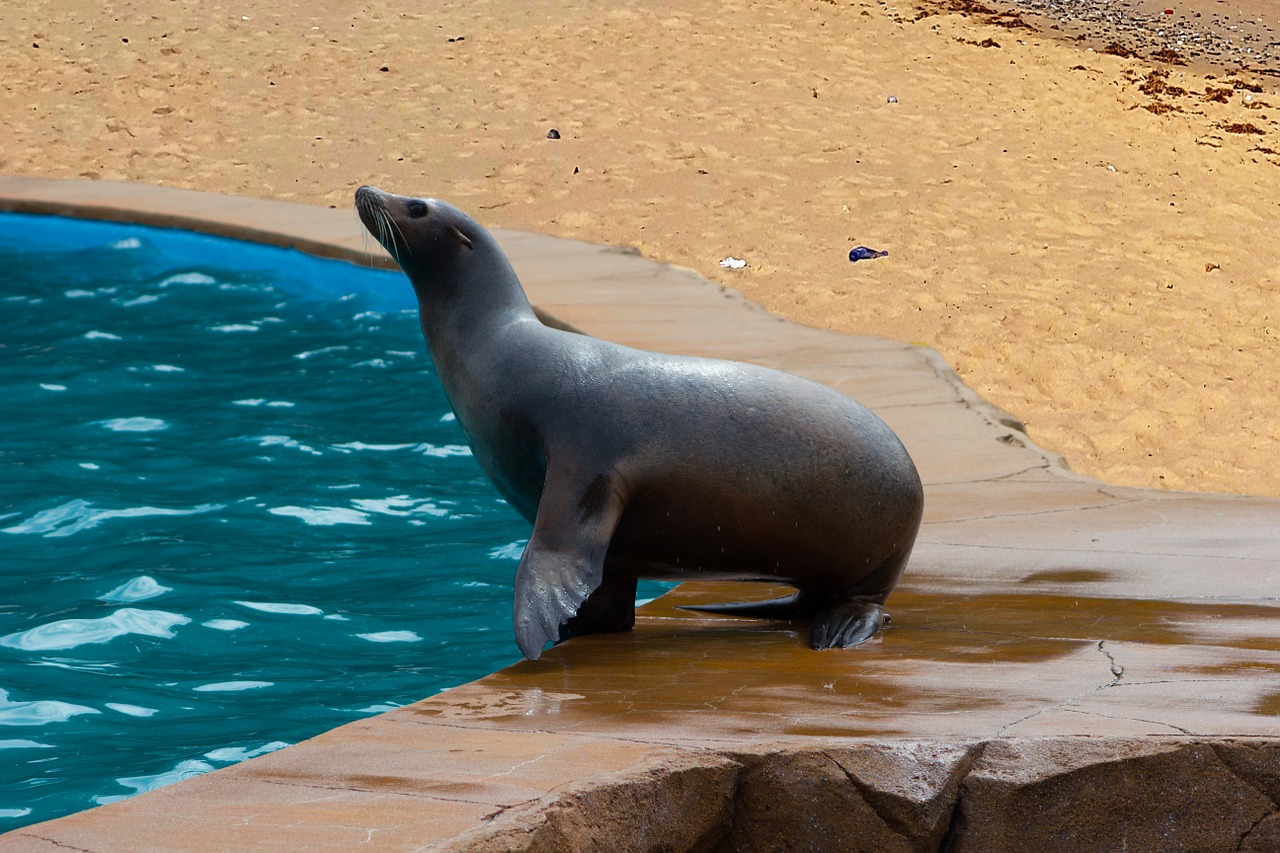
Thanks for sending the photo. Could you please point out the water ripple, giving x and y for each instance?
(38, 712)
(284, 441)
(280, 607)
(77, 515)
(323, 351)
(234, 754)
(360, 445)
(425, 448)
(391, 637)
(225, 624)
(134, 424)
(510, 551)
(139, 589)
(142, 784)
(231, 686)
(403, 505)
(131, 710)
(259, 401)
(443, 450)
(323, 516)
(188, 278)
(69, 633)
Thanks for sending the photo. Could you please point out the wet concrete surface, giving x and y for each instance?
(1069, 663)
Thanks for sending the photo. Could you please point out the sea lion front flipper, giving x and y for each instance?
(848, 622)
(564, 560)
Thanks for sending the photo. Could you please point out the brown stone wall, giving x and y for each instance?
(1056, 795)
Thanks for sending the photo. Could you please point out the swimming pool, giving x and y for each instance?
(235, 510)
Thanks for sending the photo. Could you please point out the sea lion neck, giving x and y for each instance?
(475, 292)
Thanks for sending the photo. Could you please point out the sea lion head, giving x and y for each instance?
(431, 241)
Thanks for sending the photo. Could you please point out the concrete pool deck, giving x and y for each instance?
(1070, 666)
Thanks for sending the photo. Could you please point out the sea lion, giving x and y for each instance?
(634, 464)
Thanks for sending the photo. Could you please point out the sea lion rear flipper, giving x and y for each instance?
(845, 622)
(786, 607)
(564, 560)
(849, 622)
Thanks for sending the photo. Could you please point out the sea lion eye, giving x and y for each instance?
(417, 209)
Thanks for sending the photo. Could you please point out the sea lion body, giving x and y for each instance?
(635, 464)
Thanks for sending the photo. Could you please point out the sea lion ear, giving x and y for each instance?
(465, 240)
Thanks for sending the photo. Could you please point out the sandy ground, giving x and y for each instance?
(1090, 239)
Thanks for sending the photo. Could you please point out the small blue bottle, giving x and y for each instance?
(862, 253)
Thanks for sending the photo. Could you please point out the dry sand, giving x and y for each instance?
(1090, 239)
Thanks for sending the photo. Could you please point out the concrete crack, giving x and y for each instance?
(888, 406)
(1114, 668)
(1013, 514)
(974, 480)
(57, 843)
(1177, 729)
(513, 768)
(1080, 507)
(1186, 681)
(492, 816)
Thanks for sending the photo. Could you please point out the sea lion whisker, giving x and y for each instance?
(389, 232)
(404, 241)
(366, 238)
(385, 236)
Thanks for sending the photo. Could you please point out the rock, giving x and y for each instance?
(1071, 794)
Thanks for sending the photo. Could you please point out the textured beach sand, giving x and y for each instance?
(1090, 239)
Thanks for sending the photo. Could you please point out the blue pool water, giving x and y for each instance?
(235, 510)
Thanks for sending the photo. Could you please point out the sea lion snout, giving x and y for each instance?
(368, 195)
(412, 228)
(371, 198)
(382, 214)
(369, 201)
